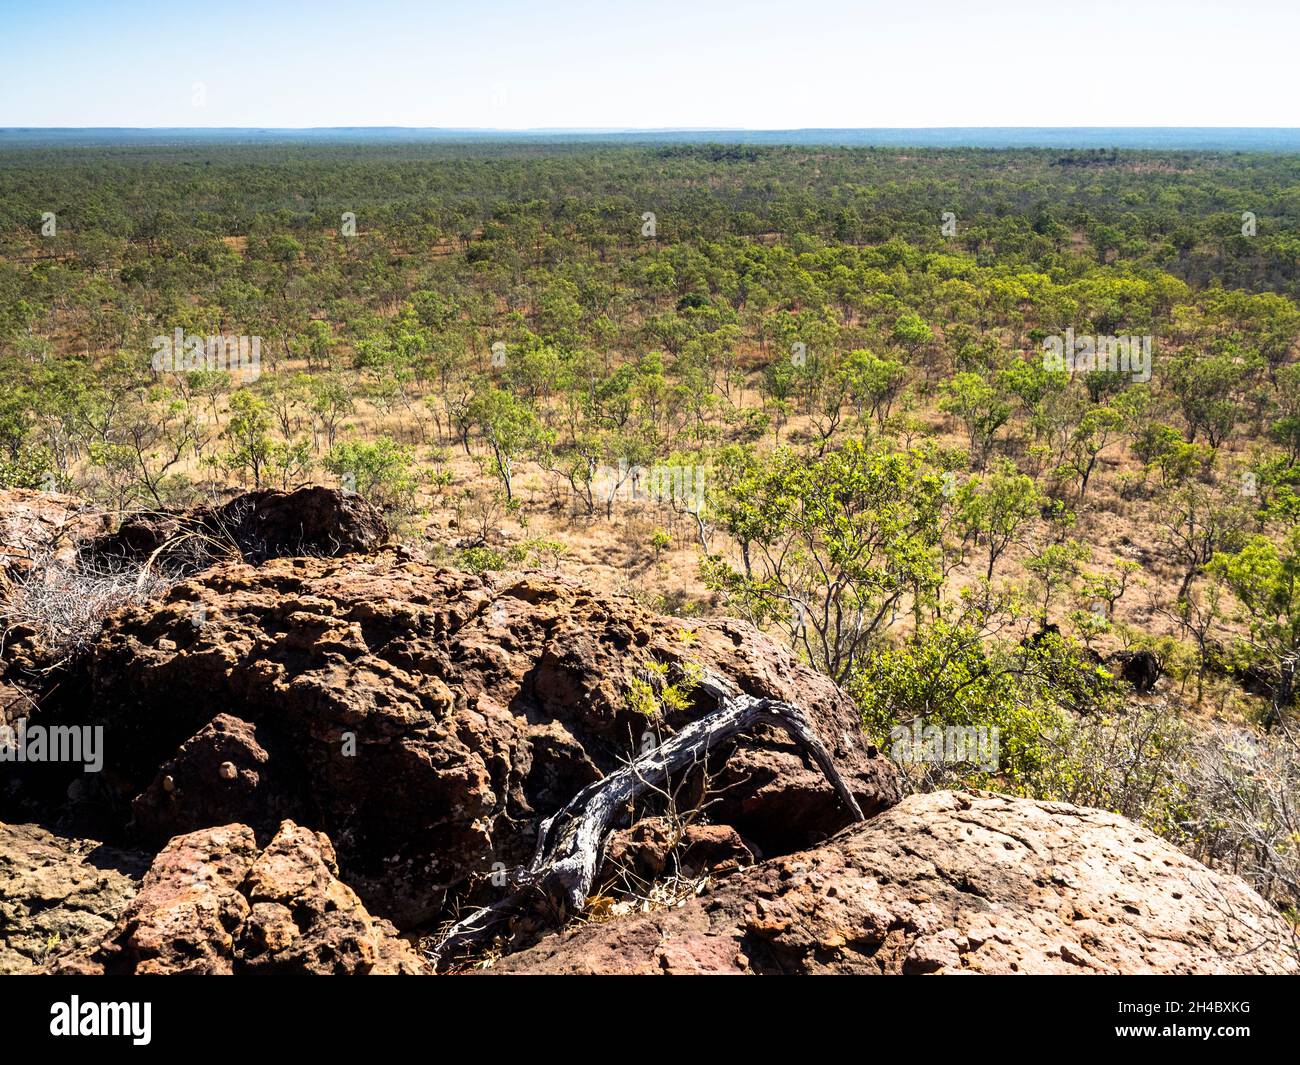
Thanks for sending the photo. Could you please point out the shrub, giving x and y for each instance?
(380, 470)
(952, 673)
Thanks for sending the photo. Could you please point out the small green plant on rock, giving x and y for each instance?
(653, 694)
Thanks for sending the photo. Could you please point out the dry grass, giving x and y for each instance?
(64, 605)
(1247, 814)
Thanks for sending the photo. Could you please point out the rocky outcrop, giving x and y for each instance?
(61, 571)
(951, 883)
(36, 525)
(58, 894)
(427, 719)
(1141, 669)
(214, 903)
(217, 775)
(253, 526)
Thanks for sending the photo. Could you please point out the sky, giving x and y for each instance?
(716, 64)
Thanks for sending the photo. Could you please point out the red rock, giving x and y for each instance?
(951, 883)
(187, 913)
(58, 895)
(213, 904)
(217, 775)
(255, 526)
(429, 719)
(654, 847)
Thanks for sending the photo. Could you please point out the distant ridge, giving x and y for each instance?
(1168, 138)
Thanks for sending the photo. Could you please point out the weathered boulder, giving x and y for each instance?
(36, 526)
(303, 919)
(213, 903)
(951, 883)
(427, 719)
(58, 894)
(217, 775)
(253, 526)
(1141, 669)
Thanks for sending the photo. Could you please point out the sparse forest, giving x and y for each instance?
(801, 386)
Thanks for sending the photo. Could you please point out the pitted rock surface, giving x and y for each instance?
(951, 882)
(426, 719)
(214, 903)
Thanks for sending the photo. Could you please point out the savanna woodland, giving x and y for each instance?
(803, 387)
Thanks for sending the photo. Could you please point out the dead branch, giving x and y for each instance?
(570, 842)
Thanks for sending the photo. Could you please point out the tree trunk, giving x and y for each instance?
(570, 842)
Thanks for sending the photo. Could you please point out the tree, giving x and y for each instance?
(249, 434)
(959, 673)
(1055, 568)
(1198, 613)
(1088, 441)
(331, 402)
(1206, 387)
(834, 547)
(998, 510)
(510, 428)
(1109, 588)
(778, 386)
(1031, 382)
(1285, 430)
(1197, 522)
(1265, 578)
(911, 332)
(980, 407)
(874, 383)
(379, 470)
(1162, 447)
(158, 436)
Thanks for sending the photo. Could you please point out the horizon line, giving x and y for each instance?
(5, 128)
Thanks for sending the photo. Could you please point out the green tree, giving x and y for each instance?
(834, 547)
(381, 470)
(510, 428)
(248, 431)
(980, 407)
(874, 383)
(1265, 578)
(998, 510)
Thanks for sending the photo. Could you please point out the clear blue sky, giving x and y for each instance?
(758, 64)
